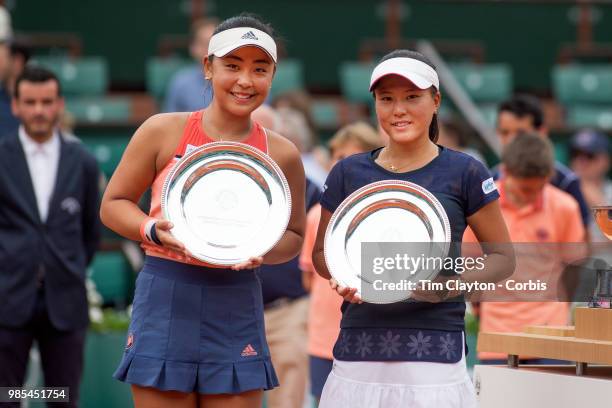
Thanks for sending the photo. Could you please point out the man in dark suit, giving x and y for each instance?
(49, 231)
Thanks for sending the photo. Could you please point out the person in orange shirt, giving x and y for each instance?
(535, 212)
(324, 315)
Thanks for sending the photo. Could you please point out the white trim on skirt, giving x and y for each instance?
(398, 384)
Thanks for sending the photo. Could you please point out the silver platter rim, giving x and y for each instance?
(228, 146)
(367, 190)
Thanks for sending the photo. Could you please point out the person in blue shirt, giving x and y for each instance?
(286, 314)
(411, 353)
(189, 90)
(9, 123)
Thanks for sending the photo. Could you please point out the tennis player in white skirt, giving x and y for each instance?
(411, 353)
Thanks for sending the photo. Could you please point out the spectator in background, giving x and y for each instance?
(590, 159)
(300, 101)
(49, 232)
(453, 137)
(189, 90)
(295, 124)
(6, 31)
(538, 213)
(523, 114)
(305, 135)
(292, 124)
(267, 117)
(13, 59)
(284, 297)
(8, 122)
(67, 123)
(20, 55)
(324, 314)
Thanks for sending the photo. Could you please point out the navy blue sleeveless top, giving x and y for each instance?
(463, 185)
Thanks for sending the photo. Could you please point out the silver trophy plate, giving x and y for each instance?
(384, 212)
(228, 202)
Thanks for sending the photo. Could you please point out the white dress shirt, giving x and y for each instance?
(43, 161)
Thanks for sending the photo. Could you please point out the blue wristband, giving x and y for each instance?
(154, 236)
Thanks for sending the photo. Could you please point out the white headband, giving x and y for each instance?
(417, 72)
(227, 41)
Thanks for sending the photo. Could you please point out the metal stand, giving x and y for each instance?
(581, 368)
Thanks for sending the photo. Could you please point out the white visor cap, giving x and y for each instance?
(227, 41)
(417, 72)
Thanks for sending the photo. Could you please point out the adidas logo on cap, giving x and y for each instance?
(249, 36)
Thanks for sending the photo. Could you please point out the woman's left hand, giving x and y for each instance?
(251, 263)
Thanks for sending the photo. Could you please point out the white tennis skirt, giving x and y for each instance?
(400, 384)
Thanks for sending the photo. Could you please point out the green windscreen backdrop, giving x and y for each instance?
(321, 33)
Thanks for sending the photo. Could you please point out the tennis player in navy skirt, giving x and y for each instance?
(411, 353)
(197, 333)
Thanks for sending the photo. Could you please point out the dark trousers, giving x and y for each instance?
(61, 354)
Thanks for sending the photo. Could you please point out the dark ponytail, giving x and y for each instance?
(434, 129)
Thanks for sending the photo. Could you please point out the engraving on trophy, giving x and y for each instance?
(380, 215)
(391, 234)
(227, 199)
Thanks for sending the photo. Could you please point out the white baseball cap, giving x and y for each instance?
(417, 72)
(227, 41)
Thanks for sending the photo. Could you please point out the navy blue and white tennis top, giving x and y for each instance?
(410, 330)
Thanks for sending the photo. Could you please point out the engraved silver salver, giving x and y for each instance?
(378, 214)
(228, 202)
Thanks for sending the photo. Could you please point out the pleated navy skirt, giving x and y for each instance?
(197, 329)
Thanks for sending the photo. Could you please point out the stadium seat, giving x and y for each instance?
(489, 111)
(561, 149)
(289, 77)
(448, 111)
(583, 83)
(590, 116)
(325, 114)
(160, 72)
(484, 82)
(81, 76)
(113, 277)
(107, 150)
(354, 81)
(94, 110)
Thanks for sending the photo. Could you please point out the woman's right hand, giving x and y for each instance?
(162, 228)
(349, 294)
